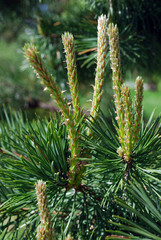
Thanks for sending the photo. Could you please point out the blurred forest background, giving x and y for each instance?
(43, 21)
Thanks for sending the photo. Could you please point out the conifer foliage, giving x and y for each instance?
(59, 177)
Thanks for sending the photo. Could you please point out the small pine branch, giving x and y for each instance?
(36, 62)
(68, 42)
(128, 128)
(101, 56)
(128, 118)
(116, 77)
(44, 231)
(138, 107)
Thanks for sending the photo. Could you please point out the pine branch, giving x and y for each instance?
(116, 77)
(68, 42)
(101, 55)
(128, 118)
(138, 107)
(44, 230)
(36, 62)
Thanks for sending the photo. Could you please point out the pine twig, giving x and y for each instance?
(44, 230)
(36, 62)
(138, 107)
(128, 118)
(68, 42)
(101, 57)
(116, 77)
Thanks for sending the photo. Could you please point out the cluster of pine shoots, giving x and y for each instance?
(128, 114)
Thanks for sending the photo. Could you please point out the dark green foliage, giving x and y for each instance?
(105, 161)
(138, 23)
(39, 150)
(145, 211)
(139, 27)
(30, 151)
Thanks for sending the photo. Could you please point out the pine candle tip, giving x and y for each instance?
(102, 22)
(29, 47)
(102, 18)
(40, 182)
(139, 79)
(67, 34)
(139, 86)
(112, 27)
(67, 38)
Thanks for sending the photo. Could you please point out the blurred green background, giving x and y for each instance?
(43, 22)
